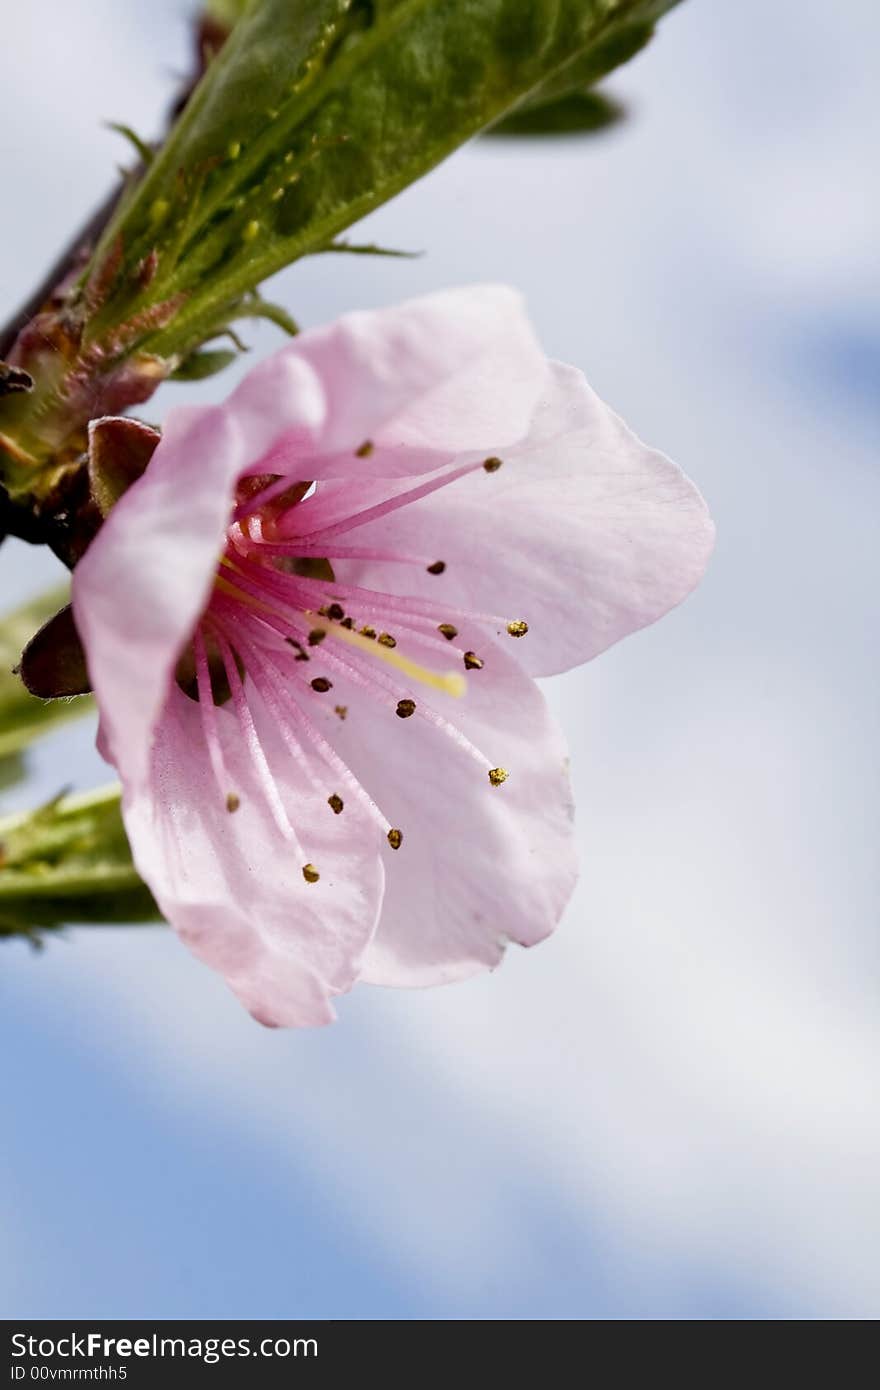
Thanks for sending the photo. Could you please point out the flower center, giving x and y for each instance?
(278, 612)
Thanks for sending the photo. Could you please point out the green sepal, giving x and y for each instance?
(23, 717)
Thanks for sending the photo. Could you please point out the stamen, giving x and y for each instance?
(377, 685)
(365, 449)
(232, 802)
(518, 628)
(492, 465)
(472, 662)
(405, 709)
(317, 635)
(341, 710)
(276, 693)
(328, 550)
(310, 873)
(386, 640)
(497, 775)
(450, 681)
(391, 504)
(437, 568)
(335, 803)
(384, 605)
(321, 684)
(395, 838)
(253, 744)
(448, 631)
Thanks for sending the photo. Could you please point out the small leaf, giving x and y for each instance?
(119, 451)
(144, 150)
(201, 365)
(258, 308)
(69, 861)
(580, 113)
(53, 664)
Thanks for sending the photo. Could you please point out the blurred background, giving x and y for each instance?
(670, 1109)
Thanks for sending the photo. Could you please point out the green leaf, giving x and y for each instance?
(22, 716)
(614, 47)
(69, 861)
(564, 104)
(581, 113)
(314, 113)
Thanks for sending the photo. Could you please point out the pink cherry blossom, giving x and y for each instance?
(312, 627)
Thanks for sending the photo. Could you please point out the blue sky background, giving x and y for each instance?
(669, 1110)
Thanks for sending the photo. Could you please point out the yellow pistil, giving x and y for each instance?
(449, 681)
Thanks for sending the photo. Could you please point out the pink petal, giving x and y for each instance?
(584, 532)
(142, 585)
(414, 385)
(233, 888)
(479, 865)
